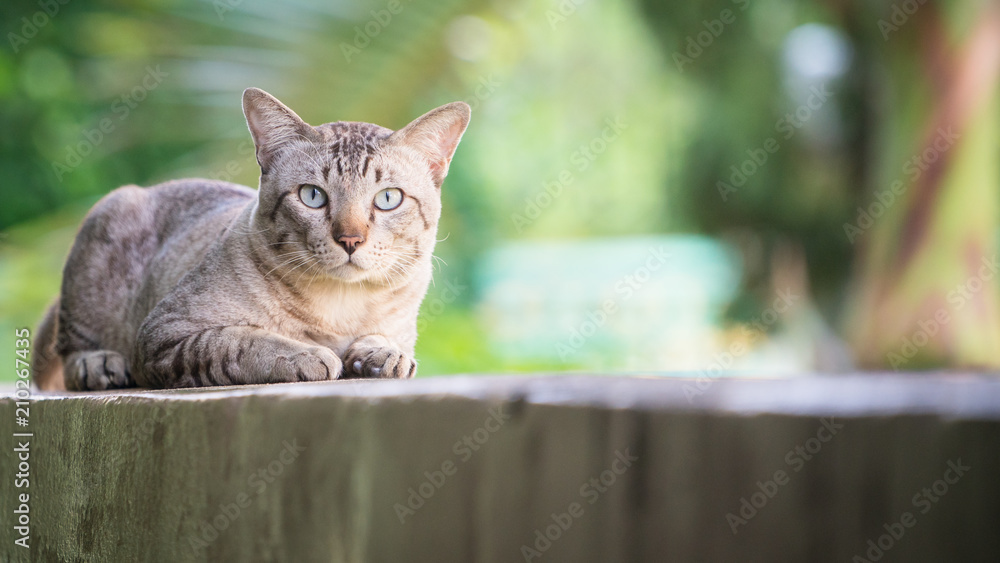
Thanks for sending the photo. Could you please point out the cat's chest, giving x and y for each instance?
(343, 310)
(343, 315)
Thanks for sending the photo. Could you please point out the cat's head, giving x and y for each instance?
(350, 201)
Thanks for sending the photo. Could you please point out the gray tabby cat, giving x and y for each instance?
(317, 275)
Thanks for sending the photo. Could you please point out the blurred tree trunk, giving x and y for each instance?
(926, 274)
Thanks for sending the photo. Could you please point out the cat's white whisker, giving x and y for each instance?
(382, 272)
(313, 278)
(411, 258)
(285, 262)
(406, 262)
(290, 253)
(297, 255)
(387, 275)
(303, 262)
(249, 232)
(307, 270)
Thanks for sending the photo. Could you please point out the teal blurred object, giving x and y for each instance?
(631, 303)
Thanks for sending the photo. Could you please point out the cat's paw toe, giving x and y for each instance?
(314, 364)
(380, 363)
(98, 370)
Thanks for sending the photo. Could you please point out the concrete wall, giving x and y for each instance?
(334, 471)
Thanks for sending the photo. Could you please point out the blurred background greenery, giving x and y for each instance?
(730, 186)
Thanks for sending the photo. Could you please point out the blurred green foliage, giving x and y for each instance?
(105, 93)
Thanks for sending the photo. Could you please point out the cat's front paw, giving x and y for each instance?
(97, 370)
(312, 364)
(379, 362)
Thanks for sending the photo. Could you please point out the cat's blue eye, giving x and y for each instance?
(312, 196)
(389, 199)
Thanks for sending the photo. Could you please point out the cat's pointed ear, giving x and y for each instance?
(435, 135)
(272, 124)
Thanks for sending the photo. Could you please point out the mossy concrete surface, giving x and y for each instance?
(502, 469)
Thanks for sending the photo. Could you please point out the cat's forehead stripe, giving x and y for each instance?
(352, 145)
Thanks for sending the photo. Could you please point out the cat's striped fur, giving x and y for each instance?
(196, 282)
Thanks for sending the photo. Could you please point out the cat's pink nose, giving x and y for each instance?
(350, 242)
